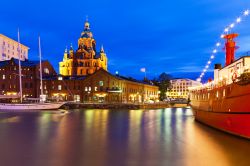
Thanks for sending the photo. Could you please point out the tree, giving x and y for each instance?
(163, 81)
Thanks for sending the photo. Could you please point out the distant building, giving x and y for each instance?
(86, 59)
(179, 88)
(9, 49)
(100, 87)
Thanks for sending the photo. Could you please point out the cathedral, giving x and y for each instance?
(85, 60)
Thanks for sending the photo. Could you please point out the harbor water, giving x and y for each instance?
(152, 137)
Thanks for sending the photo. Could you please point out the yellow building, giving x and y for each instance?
(85, 60)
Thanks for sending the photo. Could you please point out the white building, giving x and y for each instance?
(228, 73)
(179, 87)
(9, 49)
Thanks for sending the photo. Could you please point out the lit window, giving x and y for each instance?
(95, 88)
(3, 76)
(86, 89)
(89, 88)
(46, 70)
(101, 83)
(59, 87)
(60, 78)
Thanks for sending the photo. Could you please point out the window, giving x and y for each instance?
(86, 89)
(60, 78)
(101, 83)
(95, 88)
(89, 88)
(46, 70)
(3, 76)
(59, 87)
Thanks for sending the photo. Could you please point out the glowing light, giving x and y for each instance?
(246, 12)
(226, 30)
(238, 20)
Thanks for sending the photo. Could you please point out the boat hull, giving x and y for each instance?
(35, 106)
(226, 108)
(233, 123)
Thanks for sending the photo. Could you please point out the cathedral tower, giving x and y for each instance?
(86, 59)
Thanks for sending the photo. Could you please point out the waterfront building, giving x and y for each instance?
(9, 77)
(179, 88)
(86, 59)
(9, 49)
(101, 86)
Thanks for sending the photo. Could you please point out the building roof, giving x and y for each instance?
(26, 63)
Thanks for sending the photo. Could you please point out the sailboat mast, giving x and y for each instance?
(40, 58)
(20, 69)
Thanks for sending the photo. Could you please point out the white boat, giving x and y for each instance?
(41, 105)
(31, 106)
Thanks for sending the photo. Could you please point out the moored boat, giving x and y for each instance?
(224, 103)
(42, 104)
(30, 106)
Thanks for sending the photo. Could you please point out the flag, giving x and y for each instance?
(143, 69)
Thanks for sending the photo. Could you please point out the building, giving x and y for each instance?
(86, 59)
(9, 77)
(9, 49)
(179, 88)
(101, 86)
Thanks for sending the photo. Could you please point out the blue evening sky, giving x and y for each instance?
(161, 35)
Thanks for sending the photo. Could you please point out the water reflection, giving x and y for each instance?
(116, 137)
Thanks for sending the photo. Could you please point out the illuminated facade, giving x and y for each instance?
(101, 86)
(85, 60)
(179, 88)
(9, 79)
(9, 49)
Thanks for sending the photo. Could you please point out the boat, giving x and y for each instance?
(30, 106)
(224, 103)
(41, 104)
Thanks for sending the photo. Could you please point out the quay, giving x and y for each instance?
(74, 105)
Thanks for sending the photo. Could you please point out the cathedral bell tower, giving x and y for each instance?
(85, 60)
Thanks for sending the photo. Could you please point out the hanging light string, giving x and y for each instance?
(218, 44)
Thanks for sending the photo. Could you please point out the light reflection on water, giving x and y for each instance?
(116, 137)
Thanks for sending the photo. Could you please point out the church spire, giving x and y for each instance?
(66, 49)
(86, 25)
(71, 47)
(102, 49)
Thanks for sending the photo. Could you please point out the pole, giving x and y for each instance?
(40, 58)
(20, 69)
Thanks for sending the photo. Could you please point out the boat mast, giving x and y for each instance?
(20, 69)
(40, 58)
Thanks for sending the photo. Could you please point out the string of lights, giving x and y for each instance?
(218, 44)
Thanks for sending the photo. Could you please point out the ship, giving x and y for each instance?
(224, 102)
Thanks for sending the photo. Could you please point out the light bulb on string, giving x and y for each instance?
(226, 31)
(238, 20)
